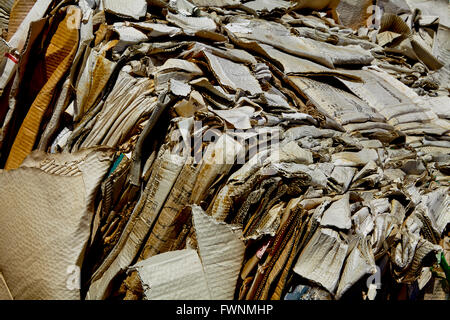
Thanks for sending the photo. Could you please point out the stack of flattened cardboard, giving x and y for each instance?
(224, 149)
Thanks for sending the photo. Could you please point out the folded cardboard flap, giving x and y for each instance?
(211, 273)
(5, 10)
(322, 259)
(221, 251)
(135, 9)
(26, 15)
(174, 275)
(59, 56)
(91, 163)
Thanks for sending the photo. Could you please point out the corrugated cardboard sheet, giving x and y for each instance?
(41, 237)
(59, 56)
(224, 149)
(49, 235)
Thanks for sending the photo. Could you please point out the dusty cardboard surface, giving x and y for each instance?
(5, 10)
(310, 264)
(210, 273)
(175, 275)
(134, 9)
(224, 149)
(221, 251)
(50, 236)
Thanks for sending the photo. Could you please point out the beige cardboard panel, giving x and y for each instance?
(322, 259)
(135, 9)
(5, 10)
(5, 294)
(44, 233)
(89, 166)
(19, 11)
(232, 75)
(221, 251)
(336, 103)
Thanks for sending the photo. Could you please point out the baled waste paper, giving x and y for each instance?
(224, 149)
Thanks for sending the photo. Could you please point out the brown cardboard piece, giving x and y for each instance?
(185, 274)
(5, 10)
(135, 9)
(221, 251)
(343, 106)
(5, 294)
(166, 170)
(232, 75)
(59, 55)
(19, 11)
(44, 233)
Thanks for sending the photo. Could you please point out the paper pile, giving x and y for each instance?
(219, 149)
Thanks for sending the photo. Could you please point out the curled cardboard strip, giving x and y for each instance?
(320, 133)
